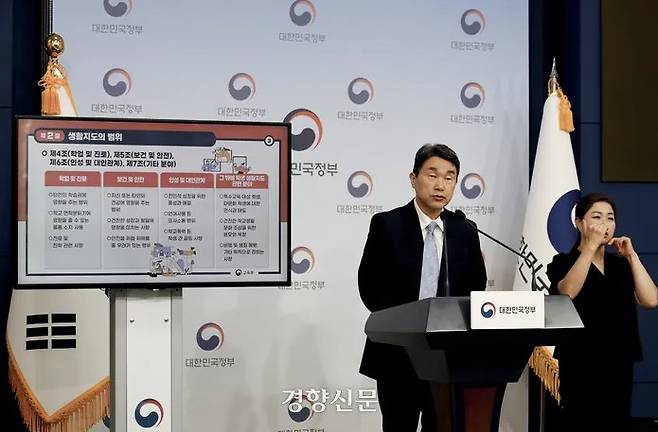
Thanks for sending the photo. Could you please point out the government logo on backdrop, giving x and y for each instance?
(473, 22)
(302, 263)
(303, 260)
(360, 90)
(210, 337)
(117, 82)
(359, 184)
(300, 410)
(153, 413)
(117, 28)
(472, 95)
(302, 12)
(242, 86)
(472, 186)
(116, 8)
(309, 128)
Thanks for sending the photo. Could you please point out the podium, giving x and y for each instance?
(443, 349)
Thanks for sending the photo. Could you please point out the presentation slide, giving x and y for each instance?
(152, 202)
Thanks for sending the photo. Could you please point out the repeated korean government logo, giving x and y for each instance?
(473, 22)
(300, 410)
(149, 413)
(210, 336)
(359, 184)
(117, 82)
(360, 90)
(472, 186)
(306, 129)
(472, 95)
(302, 12)
(303, 260)
(118, 9)
(242, 86)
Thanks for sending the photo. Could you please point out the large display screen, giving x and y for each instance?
(104, 202)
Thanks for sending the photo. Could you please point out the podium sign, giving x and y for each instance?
(507, 310)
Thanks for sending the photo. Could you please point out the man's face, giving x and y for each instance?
(434, 185)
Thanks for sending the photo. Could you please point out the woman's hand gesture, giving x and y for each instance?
(594, 234)
(623, 246)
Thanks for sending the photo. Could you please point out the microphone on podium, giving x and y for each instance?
(460, 215)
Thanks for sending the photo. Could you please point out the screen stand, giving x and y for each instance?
(145, 359)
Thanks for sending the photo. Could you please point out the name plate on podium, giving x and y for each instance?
(507, 309)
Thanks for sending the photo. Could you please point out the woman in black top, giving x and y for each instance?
(596, 369)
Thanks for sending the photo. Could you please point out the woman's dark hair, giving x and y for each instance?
(439, 150)
(586, 202)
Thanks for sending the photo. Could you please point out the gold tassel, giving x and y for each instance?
(566, 116)
(50, 101)
(51, 81)
(79, 415)
(547, 369)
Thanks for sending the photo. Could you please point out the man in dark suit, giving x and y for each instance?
(403, 261)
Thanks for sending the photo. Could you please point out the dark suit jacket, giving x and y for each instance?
(389, 275)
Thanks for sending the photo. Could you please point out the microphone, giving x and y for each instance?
(460, 215)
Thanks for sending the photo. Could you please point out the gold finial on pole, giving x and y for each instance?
(54, 77)
(54, 46)
(553, 85)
